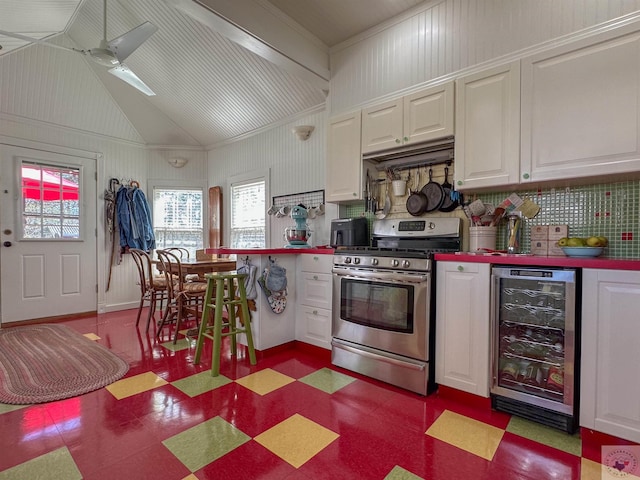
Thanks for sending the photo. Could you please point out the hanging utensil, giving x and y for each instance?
(449, 204)
(417, 201)
(434, 194)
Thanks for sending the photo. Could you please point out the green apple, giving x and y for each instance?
(575, 242)
(562, 242)
(594, 242)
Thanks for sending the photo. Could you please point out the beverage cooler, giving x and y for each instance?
(534, 347)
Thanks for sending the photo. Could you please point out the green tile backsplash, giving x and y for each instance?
(608, 209)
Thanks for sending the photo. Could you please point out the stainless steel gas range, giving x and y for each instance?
(382, 322)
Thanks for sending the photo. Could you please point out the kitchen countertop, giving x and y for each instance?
(539, 261)
(268, 251)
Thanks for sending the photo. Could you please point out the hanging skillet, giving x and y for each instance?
(434, 193)
(417, 201)
(449, 204)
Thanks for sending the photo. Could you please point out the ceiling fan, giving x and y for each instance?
(110, 53)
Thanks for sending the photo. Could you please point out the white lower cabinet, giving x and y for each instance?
(462, 326)
(609, 387)
(313, 319)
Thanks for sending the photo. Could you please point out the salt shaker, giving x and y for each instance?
(514, 224)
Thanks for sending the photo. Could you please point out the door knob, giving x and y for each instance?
(7, 244)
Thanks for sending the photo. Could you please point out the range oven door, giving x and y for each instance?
(383, 310)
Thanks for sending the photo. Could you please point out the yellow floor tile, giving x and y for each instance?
(296, 439)
(92, 336)
(133, 385)
(466, 433)
(590, 470)
(265, 381)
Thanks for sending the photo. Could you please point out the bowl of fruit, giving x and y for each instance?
(583, 247)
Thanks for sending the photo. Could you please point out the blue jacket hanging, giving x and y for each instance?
(134, 220)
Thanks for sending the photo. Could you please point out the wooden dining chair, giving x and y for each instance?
(181, 252)
(153, 288)
(185, 298)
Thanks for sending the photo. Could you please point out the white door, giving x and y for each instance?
(57, 274)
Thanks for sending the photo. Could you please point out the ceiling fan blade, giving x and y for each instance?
(126, 75)
(36, 40)
(125, 44)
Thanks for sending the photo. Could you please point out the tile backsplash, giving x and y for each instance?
(609, 209)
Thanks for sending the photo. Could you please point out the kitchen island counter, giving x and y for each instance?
(268, 251)
(540, 261)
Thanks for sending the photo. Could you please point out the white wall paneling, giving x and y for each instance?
(296, 166)
(450, 36)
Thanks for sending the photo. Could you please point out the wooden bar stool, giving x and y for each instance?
(223, 285)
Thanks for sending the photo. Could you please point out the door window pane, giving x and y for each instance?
(50, 200)
(177, 218)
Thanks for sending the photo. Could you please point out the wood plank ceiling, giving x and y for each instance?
(211, 86)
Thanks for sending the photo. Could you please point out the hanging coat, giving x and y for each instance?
(134, 220)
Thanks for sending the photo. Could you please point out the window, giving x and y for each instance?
(50, 201)
(247, 228)
(177, 218)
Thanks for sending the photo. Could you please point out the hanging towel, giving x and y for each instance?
(250, 281)
(273, 282)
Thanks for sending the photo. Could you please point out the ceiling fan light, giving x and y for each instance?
(104, 57)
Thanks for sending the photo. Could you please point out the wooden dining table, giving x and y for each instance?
(201, 267)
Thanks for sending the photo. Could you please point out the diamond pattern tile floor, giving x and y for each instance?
(291, 416)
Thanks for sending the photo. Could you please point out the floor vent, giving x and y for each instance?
(533, 413)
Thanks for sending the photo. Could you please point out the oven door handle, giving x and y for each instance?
(365, 352)
(382, 276)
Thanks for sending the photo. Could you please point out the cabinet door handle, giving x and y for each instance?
(397, 140)
(460, 268)
(525, 176)
(315, 277)
(315, 312)
(405, 139)
(316, 258)
(459, 182)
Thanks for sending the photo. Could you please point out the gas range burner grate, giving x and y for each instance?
(390, 252)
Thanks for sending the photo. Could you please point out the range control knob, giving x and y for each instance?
(405, 263)
(347, 259)
(356, 260)
(374, 261)
(395, 263)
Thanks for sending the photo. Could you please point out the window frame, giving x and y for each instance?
(19, 210)
(245, 178)
(181, 185)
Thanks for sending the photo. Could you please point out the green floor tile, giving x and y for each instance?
(200, 383)
(399, 473)
(6, 408)
(181, 344)
(327, 380)
(54, 465)
(546, 435)
(206, 442)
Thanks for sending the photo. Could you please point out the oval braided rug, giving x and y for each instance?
(43, 363)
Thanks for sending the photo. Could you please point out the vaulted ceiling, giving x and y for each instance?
(220, 69)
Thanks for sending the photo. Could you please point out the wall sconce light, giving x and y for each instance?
(177, 162)
(303, 132)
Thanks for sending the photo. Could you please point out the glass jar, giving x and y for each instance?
(514, 231)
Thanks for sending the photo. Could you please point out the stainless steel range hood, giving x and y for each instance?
(421, 154)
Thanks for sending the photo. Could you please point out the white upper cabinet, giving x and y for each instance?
(580, 108)
(488, 128)
(344, 160)
(419, 117)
